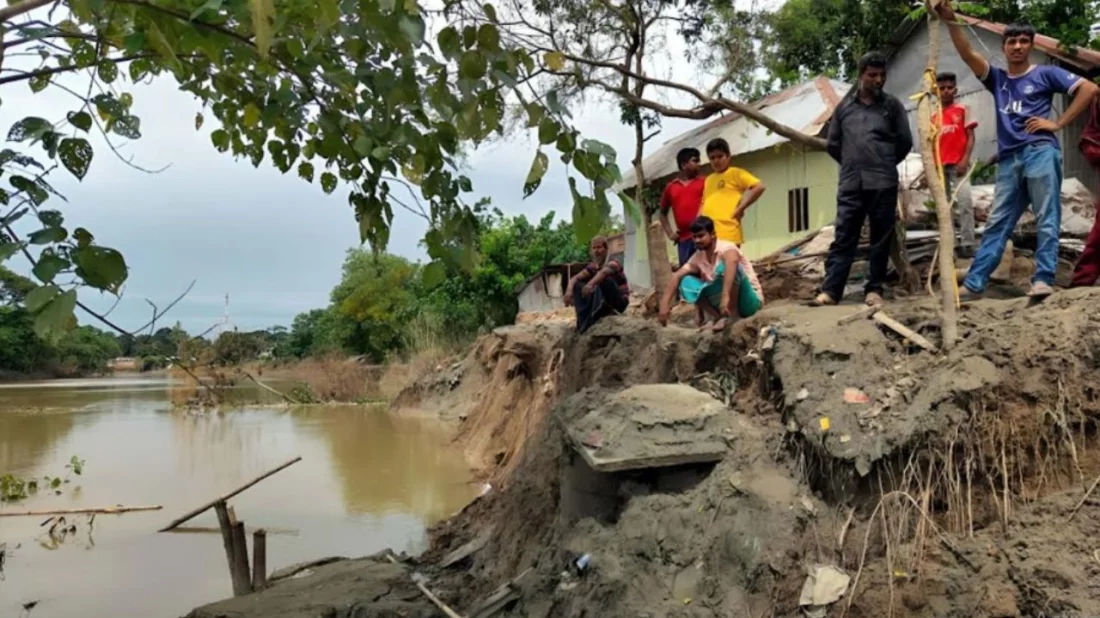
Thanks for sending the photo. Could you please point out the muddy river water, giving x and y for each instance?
(366, 481)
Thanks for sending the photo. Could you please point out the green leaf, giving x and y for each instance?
(490, 12)
(82, 237)
(472, 65)
(47, 235)
(57, 313)
(76, 155)
(51, 218)
(8, 249)
(101, 267)
(587, 220)
(362, 145)
(488, 37)
(31, 127)
(328, 182)
(108, 72)
(80, 120)
(535, 114)
(108, 106)
(159, 42)
(548, 130)
(33, 190)
(39, 296)
(412, 26)
(251, 116)
(83, 54)
(305, 171)
(381, 153)
(210, 5)
(128, 127)
(220, 139)
(434, 274)
(632, 209)
(39, 83)
(449, 42)
(600, 148)
(198, 121)
(330, 13)
(535, 175)
(555, 60)
(263, 12)
(48, 266)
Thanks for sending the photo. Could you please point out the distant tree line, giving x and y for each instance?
(383, 307)
(387, 306)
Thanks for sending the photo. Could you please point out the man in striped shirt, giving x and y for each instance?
(605, 289)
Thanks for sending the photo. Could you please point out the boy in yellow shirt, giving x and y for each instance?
(728, 193)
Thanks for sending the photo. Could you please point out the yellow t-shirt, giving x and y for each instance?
(721, 195)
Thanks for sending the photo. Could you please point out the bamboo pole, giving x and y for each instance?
(241, 583)
(242, 580)
(107, 510)
(209, 505)
(259, 559)
(927, 107)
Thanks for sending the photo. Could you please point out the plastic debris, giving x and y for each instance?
(824, 586)
(854, 395)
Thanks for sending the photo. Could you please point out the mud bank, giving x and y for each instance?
(939, 485)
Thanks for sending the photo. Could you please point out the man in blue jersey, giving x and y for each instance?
(1029, 159)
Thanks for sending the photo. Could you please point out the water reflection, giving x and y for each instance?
(365, 482)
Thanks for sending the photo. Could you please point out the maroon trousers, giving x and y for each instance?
(1087, 269)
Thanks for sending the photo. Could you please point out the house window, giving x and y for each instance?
(798, 210)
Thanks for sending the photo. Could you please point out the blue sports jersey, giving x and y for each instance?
(1025, 96)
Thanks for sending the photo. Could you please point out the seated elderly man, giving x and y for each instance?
(605, 288)
(718, 279)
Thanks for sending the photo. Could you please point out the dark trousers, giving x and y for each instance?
(853, 206)
(606, 299)
(684, 250)
(1087, 269)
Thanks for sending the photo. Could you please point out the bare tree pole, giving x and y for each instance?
(927, 108)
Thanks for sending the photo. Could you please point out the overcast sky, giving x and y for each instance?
(272, 242)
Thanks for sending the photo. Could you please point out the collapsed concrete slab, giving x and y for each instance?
(645, 426)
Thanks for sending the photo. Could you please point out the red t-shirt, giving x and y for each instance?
(953, 137)
(685, 199)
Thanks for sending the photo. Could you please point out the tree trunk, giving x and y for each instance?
(926, 111)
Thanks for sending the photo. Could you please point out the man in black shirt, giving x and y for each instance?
(869, 136)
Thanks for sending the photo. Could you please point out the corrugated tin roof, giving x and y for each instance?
(1080, 57)
(1083, 59)
(806, 107)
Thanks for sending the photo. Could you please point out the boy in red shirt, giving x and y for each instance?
(956, 146)
(684, 196)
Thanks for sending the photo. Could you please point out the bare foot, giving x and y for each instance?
(822, 300)
(874, 299)
(719, 325)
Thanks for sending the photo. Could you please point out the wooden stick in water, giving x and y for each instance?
(111, 510)
(209, 505)
(241, 585)
(259, 559)
(242, 581)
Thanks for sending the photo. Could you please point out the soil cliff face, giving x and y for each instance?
(929, 485)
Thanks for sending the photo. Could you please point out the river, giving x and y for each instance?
(366, 481)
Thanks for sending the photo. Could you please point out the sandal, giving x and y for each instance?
(1040, 290)
(822, 300)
